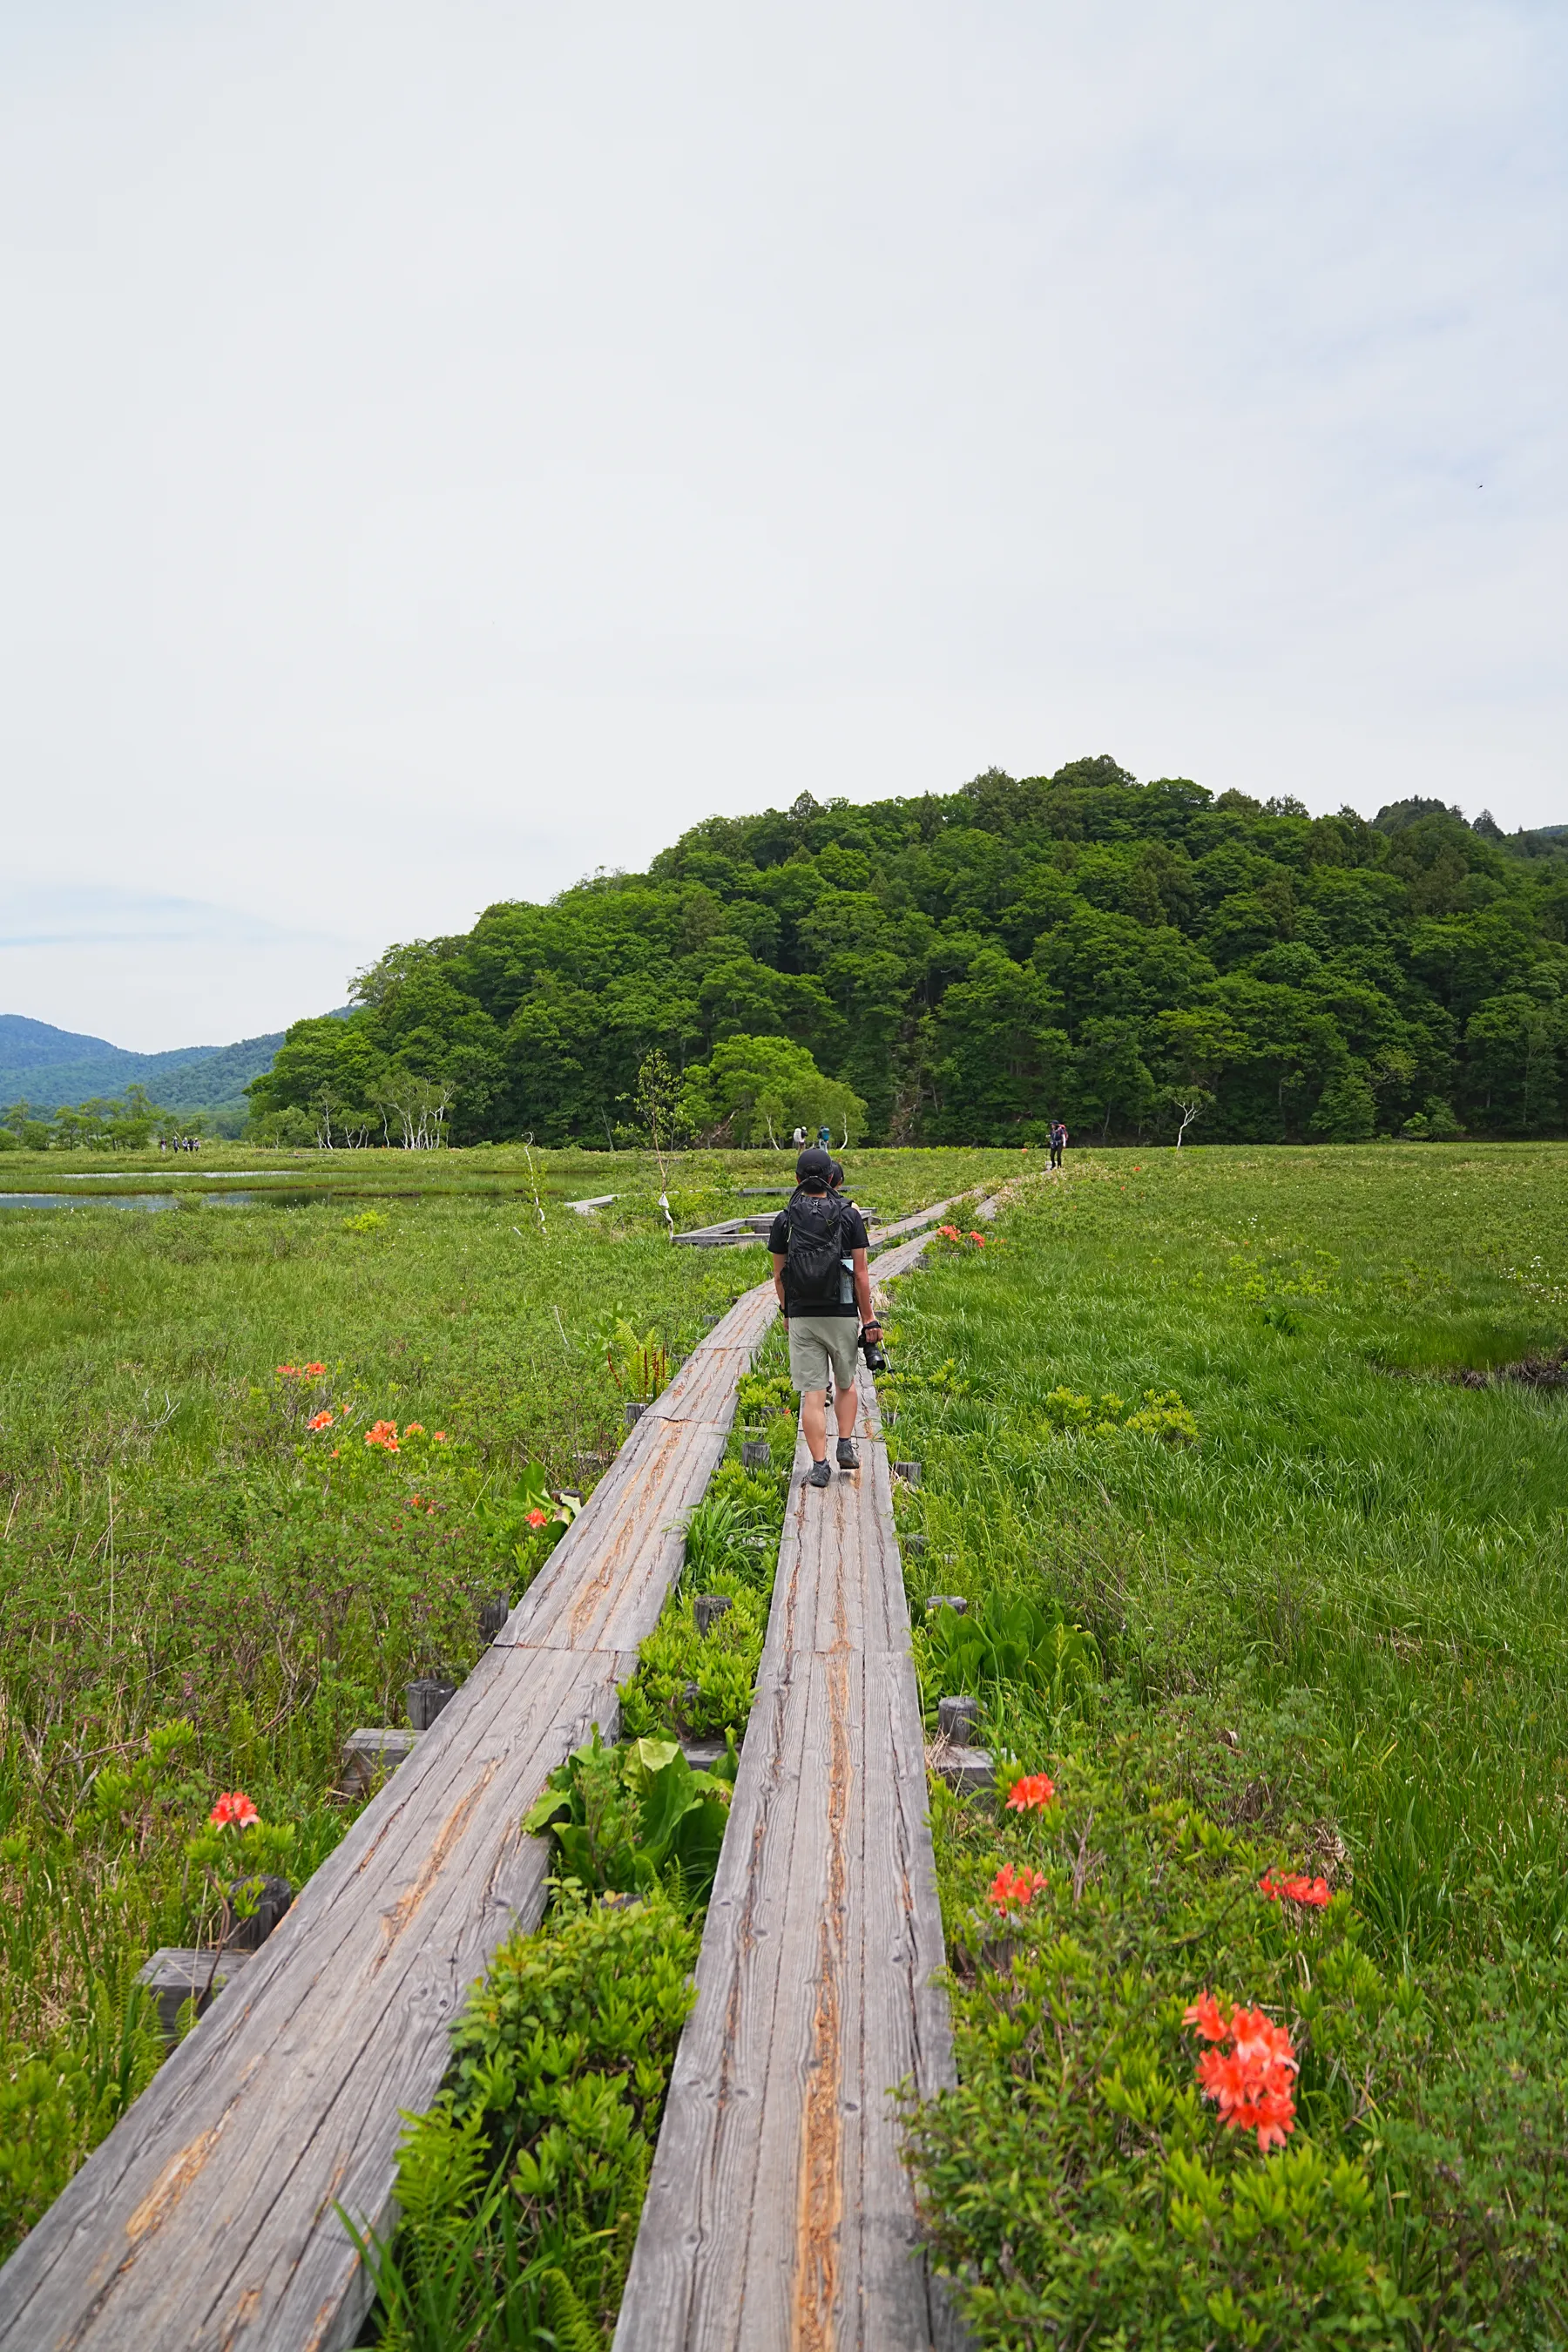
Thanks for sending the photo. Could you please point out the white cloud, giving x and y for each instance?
(446, 449)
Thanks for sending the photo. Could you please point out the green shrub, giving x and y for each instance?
(627, 1818)
(1077, 2184)
(701, 1683)
(727, 1535)
(1007, 1638)
(761, 1393)
(1160, 1413)
(520, 2192)
(56, 2102)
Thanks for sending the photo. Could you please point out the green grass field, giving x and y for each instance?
(1333, 1639)
(178, 1548)
(1251, 1420)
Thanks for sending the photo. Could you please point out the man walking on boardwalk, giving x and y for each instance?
(824, 1289)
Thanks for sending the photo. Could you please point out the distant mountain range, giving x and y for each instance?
(47, 1067)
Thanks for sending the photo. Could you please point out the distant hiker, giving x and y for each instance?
(820, 1277)
(824, 1138)
(1058, 1142)
(798, 1138)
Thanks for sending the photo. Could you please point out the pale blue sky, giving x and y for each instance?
(446, 448)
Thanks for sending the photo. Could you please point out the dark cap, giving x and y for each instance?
(814, 1166)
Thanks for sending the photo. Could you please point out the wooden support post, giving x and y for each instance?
(425, 1699)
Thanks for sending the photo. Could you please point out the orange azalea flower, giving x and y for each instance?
(440, 1436)
(1250, 2082)
(382, 1433)
(978, 1237)
(315, 1368)
(1204, 2013)
(538, 1518)
(948, 1233)
(323, 1419)
(234, 1809)
(1315, 1892)
(287, 1372)
(1011, 1886)
(415, 1429)
(1032, 1793)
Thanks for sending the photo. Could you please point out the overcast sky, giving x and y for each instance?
(449, 447)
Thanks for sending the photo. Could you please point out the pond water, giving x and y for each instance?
(76, 1200)
(283, 1195)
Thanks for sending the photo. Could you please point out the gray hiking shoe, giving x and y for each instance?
(819, 1475)
(848, 1457)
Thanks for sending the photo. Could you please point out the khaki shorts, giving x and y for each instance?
(815, 1341)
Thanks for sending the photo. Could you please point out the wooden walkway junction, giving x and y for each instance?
(207, 2221)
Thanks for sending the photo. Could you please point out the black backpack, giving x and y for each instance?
(814, 1261)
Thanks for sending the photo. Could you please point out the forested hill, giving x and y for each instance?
(1126, 955)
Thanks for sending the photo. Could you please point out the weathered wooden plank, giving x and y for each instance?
(840, 1577)
(704, 1389)
(606, 1590)
(778, 2213)
(206, 2220)
(920, 1218)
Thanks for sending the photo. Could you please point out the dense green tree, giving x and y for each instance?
(967, 965)
(759, 1089)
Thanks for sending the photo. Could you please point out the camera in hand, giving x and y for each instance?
(873, 1351)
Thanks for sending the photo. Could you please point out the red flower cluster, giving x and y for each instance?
(288, 1372)
(382, 1433)
(439, 1436)
(538, 1518)
(315, 1369)
(978, 1239)
(415, 1429)
(233, 1808)
(1011, 1886)
(1251, 2082)
(948, 1233)
(1314, 1891)
(323, 1419)
(1031, 1794)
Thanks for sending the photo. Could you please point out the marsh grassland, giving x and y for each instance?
(1250, 1466)
(201, 1591)
(1278, 1430)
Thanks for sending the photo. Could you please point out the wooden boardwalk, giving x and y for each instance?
(779, 2217)
(205, 2222)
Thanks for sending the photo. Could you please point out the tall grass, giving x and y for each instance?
(1332, 1626)
(1355, 1536)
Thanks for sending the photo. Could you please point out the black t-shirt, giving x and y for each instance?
(852, 1226)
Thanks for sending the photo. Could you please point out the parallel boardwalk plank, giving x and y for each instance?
(779, 2214)
(205, 2221)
